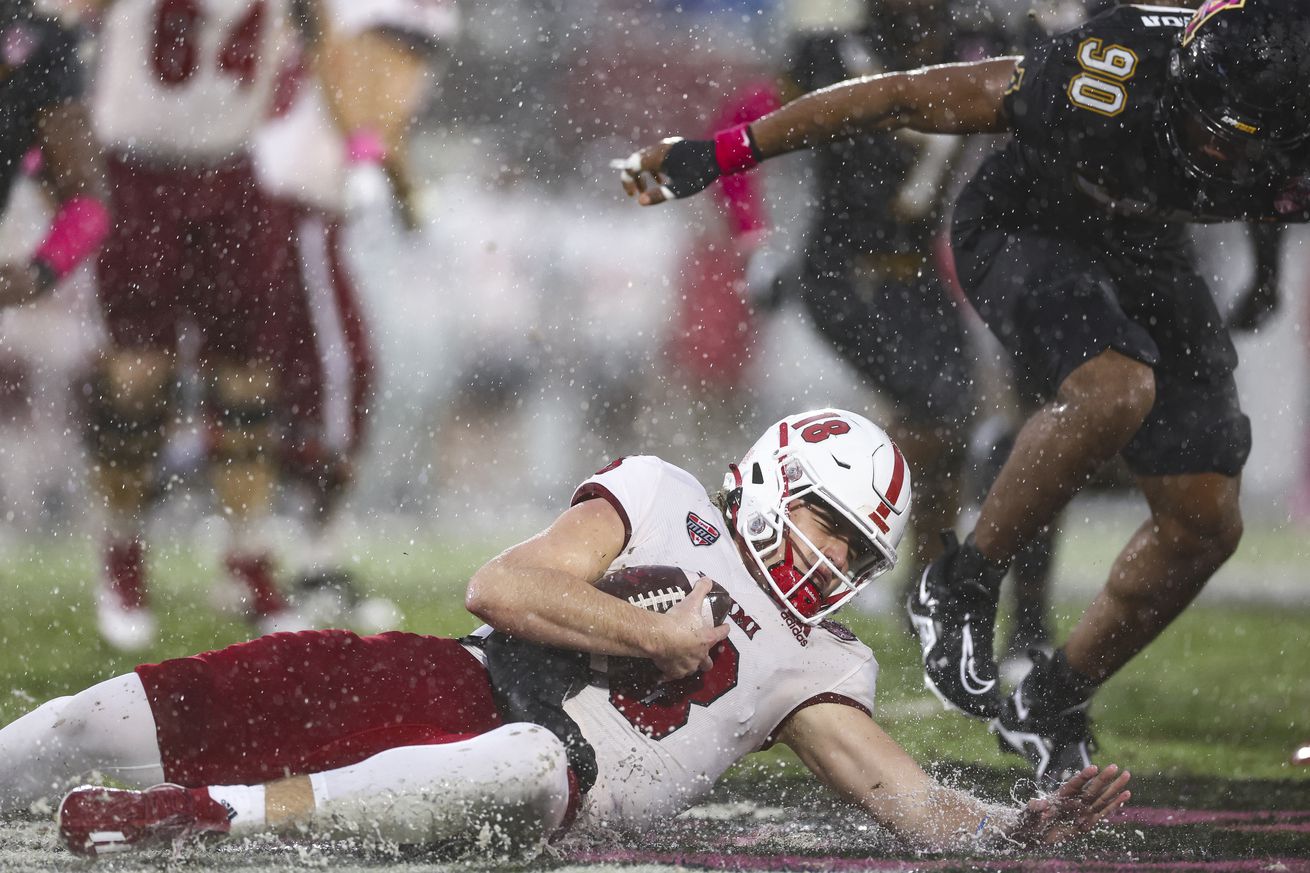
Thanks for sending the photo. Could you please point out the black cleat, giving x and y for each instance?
(953, 608)
(1057, 744)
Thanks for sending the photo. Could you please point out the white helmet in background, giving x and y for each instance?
(842, 461)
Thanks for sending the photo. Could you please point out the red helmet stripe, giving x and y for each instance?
(898, 476)
(877, 520)
(782, 435)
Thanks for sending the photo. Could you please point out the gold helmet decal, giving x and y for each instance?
(1209, 9)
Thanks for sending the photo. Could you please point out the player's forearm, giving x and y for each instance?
(951, 98)
(553, 608)
(949, 819)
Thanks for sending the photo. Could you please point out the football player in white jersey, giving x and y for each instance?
(414, 738)
(180, 89)
(341, 136)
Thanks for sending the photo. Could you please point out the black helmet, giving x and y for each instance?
(1237, 107)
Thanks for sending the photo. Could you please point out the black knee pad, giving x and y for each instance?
(120, 429)
(247, 428)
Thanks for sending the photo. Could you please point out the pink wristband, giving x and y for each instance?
(76, 232)
(365, 146)
(732, 149)
(33, 160)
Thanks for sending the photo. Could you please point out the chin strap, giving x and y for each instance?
(806, 599)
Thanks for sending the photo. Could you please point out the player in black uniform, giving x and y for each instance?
(1071, 246)
(41, 85)
(866, 274)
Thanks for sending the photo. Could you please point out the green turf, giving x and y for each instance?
(1225, 692)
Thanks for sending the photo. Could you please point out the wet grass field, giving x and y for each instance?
(1206, 719)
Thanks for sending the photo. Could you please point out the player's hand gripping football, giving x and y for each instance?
(672, 168)
(688, 636)
(1076, 807)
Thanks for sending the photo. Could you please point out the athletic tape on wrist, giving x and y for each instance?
(76, 232)
(734, 150)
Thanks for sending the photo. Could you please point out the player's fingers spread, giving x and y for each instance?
(629, 172)
(1110, 792)
(1095, 817)
(1101, 778)
(1073, 786)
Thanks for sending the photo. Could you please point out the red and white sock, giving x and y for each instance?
(244, 805)
(254, 572)
(124, 570)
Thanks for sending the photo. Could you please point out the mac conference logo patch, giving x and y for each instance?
(702, 533)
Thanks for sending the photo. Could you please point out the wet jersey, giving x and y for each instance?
(39, 70)
(660, 747)
(879, 193)
(1088, 153)
(187, 80)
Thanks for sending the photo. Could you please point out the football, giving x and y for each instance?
(659, 588)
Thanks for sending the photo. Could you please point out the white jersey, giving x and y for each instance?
(429, 20)
(187, 80)
(658, 752)
(301, 154)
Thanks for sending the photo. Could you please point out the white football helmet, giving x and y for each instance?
(846, 463)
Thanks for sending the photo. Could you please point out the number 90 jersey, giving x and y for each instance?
(1088, 136)
(187, 80)
(660, 747)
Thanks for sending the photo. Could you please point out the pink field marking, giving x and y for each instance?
(1166, 817)
(803, 864)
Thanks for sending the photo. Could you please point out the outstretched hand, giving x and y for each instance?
(689, 636)
(672, 168)
(1076, 807)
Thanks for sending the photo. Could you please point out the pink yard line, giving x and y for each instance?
(1165, 817)
(803, 864)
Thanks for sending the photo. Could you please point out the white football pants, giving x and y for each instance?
(506, 789)
(106, 729)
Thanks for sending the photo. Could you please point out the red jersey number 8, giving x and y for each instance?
(176, 52)
(817, 433)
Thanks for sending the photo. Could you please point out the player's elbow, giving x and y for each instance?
(485, 595)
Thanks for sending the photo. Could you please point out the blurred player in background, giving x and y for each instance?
(340, 141)
(422, 739)
(1072, 246)
(867, 273)
(181, 88)
(47, 130)
(53, 218)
